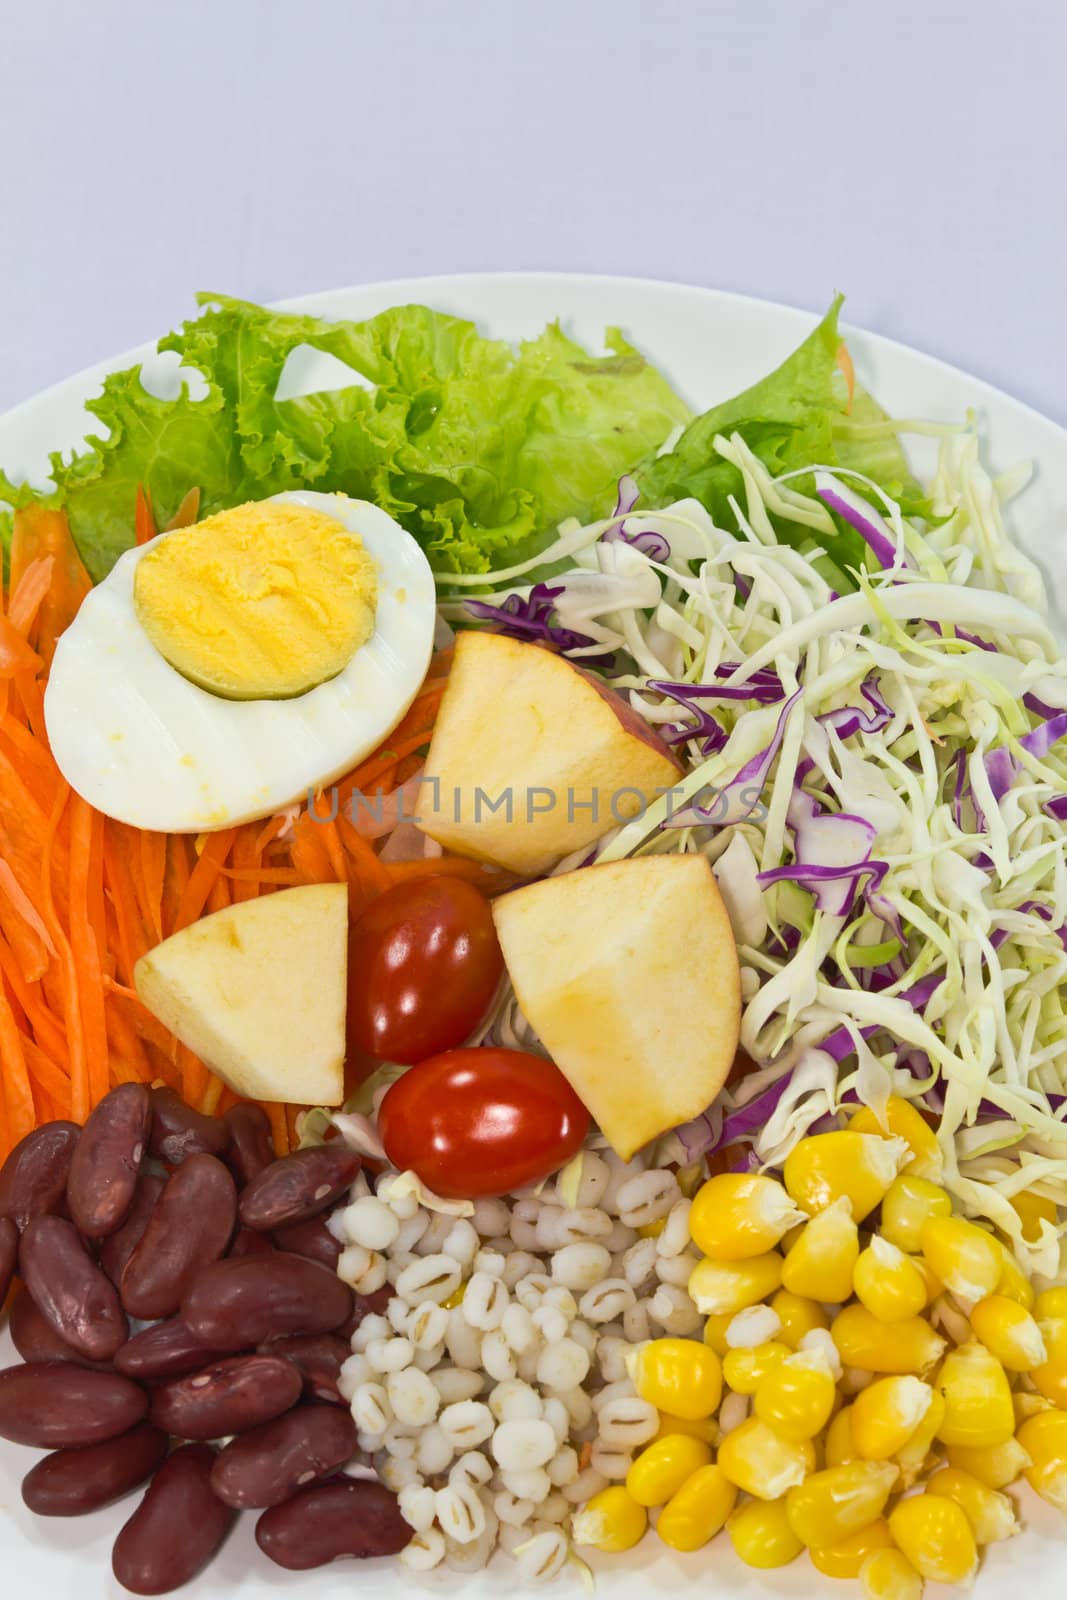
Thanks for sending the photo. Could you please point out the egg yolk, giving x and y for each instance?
(262, 602)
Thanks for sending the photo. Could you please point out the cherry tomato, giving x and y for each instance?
(481, 1121)
(423, 965)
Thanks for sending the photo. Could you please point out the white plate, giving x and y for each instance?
(711, 345)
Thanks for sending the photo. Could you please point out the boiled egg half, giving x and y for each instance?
(223, 671)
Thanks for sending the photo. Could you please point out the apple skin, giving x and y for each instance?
(628, 974)
(518, 720)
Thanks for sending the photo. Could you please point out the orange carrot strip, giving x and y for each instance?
(279, 1127)
(15, 653)
(21, 1116)
(180, 860)
(292, 1113)
(209, 1100)
(46, 1075)
(27, 598)
(250, 876)
(47, 1028)
(86, 866)
(142, 1020)
(41, 531)
(153, 860)
(144, 522)
(218, 895)
(194, 897)
(23, 944)
(308, 852)
(79, 1055)
(370, 871)
(844, 363)
(133, 939)
(126, 1043)
(21, 902)
(194, 1075)
(187, 512)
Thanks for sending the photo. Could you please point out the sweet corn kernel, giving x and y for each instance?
(934, 1534)
(788, 1240)
(906, 1122)
(889, 1575)
(886, 1415)
(755, 1325)
(705, 1428)
(995, 1465)
(740, 1214)
(796, 1398)
(845, 1559)
(888, 1282)
(652, 1230)
(761, 1535)
(909, 1204)
(677, 1375)
(839, 1501)
(934, 1287)
(990, 1514)
(1050, 1303)
(1026, 1404)
(820, 1264)
(1009, 1331)
(912, 1457)
(1044, 1438)
(715, 1332)
(661, 1469)
(863, 1341)
(611, 1521)
(858, 1167)
(978, 1408)
(731, 1286)
(696, 1512)
(1050, 1376)
(1013, 1283)
(761, 1462)
(1032, 1210)
(744, 1370)
(840, 1446)
(964, 1257)
(798, 1315)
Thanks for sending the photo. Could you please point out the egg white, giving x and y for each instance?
(144, 745)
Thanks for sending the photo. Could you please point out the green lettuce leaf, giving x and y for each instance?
(477, 449)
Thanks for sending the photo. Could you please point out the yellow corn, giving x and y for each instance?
(863, 1341)
(761, 1462)
(886, 1414)
(905, 1122)
(1050, 1303)
(821, 1263)
(744, 1370)
(661, 1469)
(909, 1204)
(840, 1446)
(788, 1240)
(995, 1465)
(695, 1512)
(796, 1398)
(912, 1457)
(844, 1560)
(839, 1501)
(934, 1534)
(1032, 1211)
(611, 1521)
(889, 1575)
(705, 1428)
(1044, 1438)
(934, 1287)
(798, 1315)
(978, 1408)
(1009, 1331)
(964, 1257)
(677, 1375)
(1013, 1283)
(731, 1286)
(740, 1214)
(1050, 1377)
(858, 1167)
(1026, 1404)
(990, 1514)
(652, 1230)
(715, 1332)
(888, 1282)
(761, 1535)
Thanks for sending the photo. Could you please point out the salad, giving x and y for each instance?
(532, 929)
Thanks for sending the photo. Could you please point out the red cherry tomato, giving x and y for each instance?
(423, 964)
(481, 1121)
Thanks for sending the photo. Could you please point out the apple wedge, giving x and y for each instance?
(628, 973)
(532, 758)
(258, 991)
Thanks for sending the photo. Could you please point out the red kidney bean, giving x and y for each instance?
(9, 1255)
(190, 1226)
(176, 1530)
(269, 1464)
(35, 1339)
(70, 1483)
(56, 1405)
(318, 1357)
(163, 1351)
(69, 1290)
(229, 1397)
(180, 1131)
(298, 1186)
(251, 1146)
(366, 1305)
(103, 1171)
(347, 1517)
(240, 1303)
(33, 1179)
(312, 1239)
(119, 1246)
(247, 1242)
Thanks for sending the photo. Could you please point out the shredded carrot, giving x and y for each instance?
(279, 1126)
(21, 1117)
(844, 364)
(86, 869)
(153, 865)
(187, 512)
(40, 531)
(144, 522)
